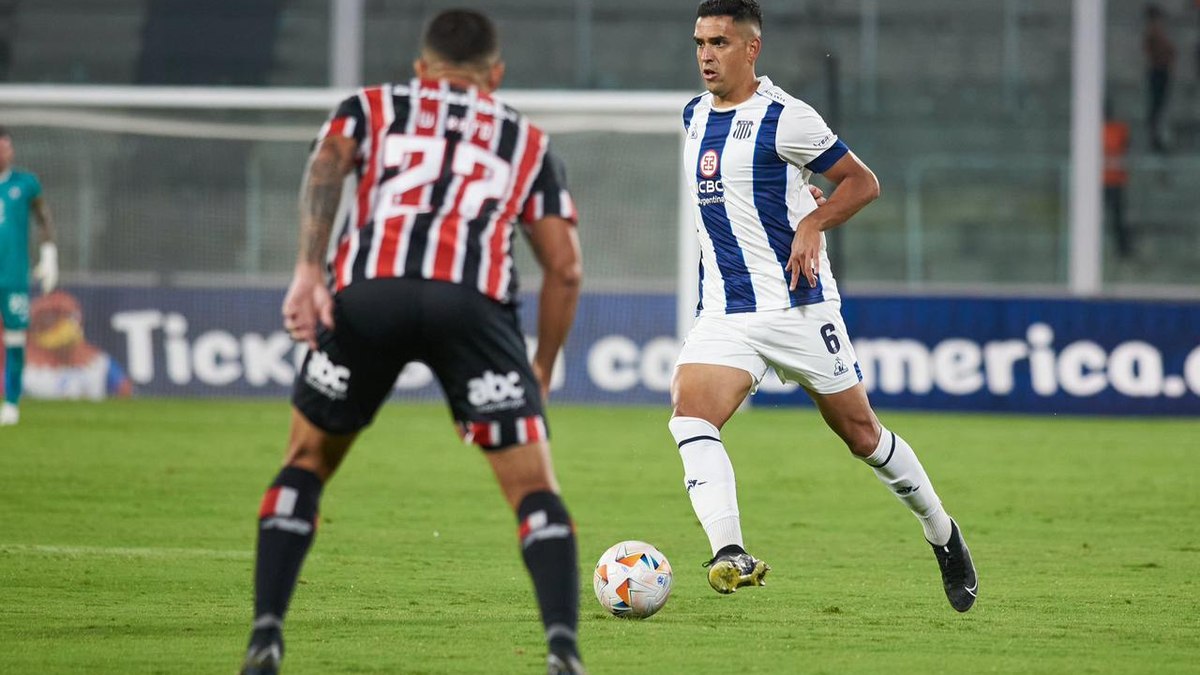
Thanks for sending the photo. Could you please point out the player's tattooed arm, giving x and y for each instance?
(332, 159)
(308, 303)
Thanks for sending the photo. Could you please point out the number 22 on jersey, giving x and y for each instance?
(478, 176)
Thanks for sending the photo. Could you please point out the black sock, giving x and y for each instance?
(287, 523)
(548, 546)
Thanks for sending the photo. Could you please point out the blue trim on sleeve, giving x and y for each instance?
(688, 110)
(828, 158)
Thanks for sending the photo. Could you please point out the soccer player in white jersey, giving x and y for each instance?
(768, 298)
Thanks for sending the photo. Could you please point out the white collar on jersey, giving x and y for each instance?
(764, 83)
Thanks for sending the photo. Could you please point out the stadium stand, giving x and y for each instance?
(75, 41)
(979, 101)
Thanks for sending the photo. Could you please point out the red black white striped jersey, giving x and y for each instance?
(444, 173)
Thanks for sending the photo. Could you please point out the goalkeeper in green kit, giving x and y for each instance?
(20, 194)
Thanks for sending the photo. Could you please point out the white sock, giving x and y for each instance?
(897, 467)
(708, 478)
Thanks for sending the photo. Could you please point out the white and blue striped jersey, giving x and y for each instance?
(749, 167)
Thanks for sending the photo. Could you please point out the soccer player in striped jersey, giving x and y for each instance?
(20, 195)
(768, 298)
(421, 269)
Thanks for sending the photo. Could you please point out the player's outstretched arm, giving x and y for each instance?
(857, 186)
(47, 267)
(308, 300)
(556, 245)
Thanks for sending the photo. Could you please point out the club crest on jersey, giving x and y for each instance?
(709, 163)
(14, 192)
(742, 130)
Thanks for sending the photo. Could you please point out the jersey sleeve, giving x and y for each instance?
(803, 139)
(688, 111)
(549, 195)
(35, 187)
(348, 120)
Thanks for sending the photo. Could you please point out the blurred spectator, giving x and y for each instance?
(1160, 58)
(61, 363)
(1116, 177)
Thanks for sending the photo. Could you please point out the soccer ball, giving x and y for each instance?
(632, 580)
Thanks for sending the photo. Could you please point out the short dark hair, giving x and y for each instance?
(4, 132)
(461, 36)
(740, 10)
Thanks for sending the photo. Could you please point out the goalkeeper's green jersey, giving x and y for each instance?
(18, 189)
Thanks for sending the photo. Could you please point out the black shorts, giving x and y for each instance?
(473, 344)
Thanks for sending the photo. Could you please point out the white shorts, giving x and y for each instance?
(808, 345)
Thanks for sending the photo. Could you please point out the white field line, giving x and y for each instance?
(159, 552)
(125, 552)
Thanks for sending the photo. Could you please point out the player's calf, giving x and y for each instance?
(548, 547)
(14, 367)
(287, 523)
(897, 467)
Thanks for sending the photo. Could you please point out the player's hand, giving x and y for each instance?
(46, 270)
(307, 302)
(818, 195)
(806, 256)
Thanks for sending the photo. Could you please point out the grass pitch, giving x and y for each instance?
(127, 529)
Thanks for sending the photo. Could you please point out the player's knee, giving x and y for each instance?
(691, 408)
(862, 438)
